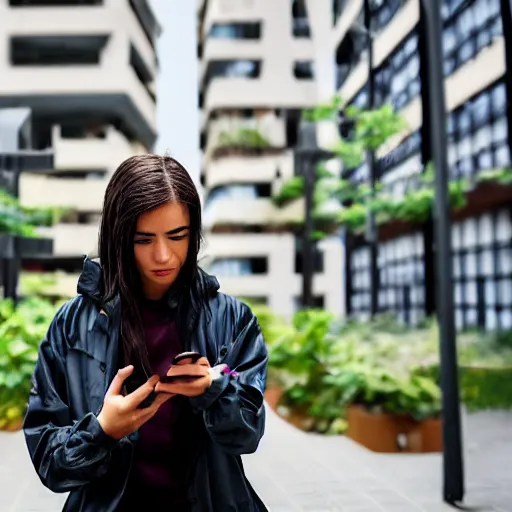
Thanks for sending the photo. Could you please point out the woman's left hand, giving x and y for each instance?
(195, 387)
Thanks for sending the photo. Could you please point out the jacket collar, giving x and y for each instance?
(90, 285)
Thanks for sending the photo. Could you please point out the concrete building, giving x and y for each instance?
(257, 73)
(478, 84)
(86, 69)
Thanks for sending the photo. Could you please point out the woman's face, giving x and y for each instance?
(161, 246)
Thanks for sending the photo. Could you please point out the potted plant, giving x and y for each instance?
(385, 410)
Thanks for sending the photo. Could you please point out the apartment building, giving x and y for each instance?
(257, 73)
(86, 69)
(478, 85)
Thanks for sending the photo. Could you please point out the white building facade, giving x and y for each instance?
(86, 68)
(257, 73)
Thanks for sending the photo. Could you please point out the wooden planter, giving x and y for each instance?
(13, 426)
(390, 433)
(273, 394)
(426, 437)
(378, 432)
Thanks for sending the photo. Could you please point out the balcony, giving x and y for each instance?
(218, 49)
(226, 93)
(241, 169)
(250, 212)
(64, 90)
(90, 153)
(232, 11)
(72, 240)
(95, 69)
(82, 195)
(268, 125)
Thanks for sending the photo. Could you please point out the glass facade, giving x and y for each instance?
(469, 27)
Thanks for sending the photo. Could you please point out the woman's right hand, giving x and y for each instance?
(120, 416)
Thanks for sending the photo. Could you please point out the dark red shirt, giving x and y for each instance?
(166, 450)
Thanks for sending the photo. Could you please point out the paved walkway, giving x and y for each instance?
(295, 472)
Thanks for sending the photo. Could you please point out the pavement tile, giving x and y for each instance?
(295, 472)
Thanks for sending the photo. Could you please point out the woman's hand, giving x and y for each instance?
(119, 416)
(194, 387)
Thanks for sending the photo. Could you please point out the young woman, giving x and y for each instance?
(100, 422)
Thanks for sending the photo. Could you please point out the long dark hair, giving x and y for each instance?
(141, 183)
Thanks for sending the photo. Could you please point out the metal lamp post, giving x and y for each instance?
(453, 477)
(371, 233)
(306, 156)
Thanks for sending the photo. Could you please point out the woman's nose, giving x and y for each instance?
(162, 253)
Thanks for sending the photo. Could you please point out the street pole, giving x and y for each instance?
(306, 157)
(371, 235)
(453, 477)
(308, 255)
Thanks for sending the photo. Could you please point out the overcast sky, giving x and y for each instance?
(177, 111)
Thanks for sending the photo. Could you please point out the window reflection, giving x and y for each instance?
(398, 80)
(469, 27)
(478, 133)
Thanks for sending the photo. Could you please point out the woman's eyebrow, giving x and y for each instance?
(171, 232)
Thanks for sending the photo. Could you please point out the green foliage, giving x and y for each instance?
(324, 364)
(16, 219)
(291, 190)
(481, 388)
(501, 176)
(325, 111)
(243, 138)
(21, 330)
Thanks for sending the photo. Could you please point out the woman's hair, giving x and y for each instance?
(141, 183)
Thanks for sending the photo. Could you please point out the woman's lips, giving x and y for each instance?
(163, 273)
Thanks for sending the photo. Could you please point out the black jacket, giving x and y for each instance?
(78, 360)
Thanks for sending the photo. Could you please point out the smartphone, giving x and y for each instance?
(193, 356)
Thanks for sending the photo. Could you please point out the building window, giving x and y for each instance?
(401, 278)
(56, 50)
(469, 27)
(337, 9)
(235, 267)
(400, 169)
(250, 69)
(243, 191)
(236, 30)
(478, 134)
(146, 19)
(383, 11)
(482, 268)
(303, 70)
(143, 73)
(300, 22)
(397, 80)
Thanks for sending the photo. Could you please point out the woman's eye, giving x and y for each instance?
(181, 237)
(141, 242)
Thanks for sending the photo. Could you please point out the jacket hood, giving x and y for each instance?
(90, 283)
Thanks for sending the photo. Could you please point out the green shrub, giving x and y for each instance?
(22, 328)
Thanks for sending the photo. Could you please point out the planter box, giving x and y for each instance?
(272, 396)
(426, 437)
(378, 432)
(33, 247)
(6, 246)
(389, 433)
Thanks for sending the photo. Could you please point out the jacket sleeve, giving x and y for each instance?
(66, 454)
(233, 406)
